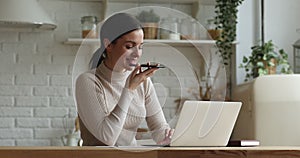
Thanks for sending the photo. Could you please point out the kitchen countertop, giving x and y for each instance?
(150, 152)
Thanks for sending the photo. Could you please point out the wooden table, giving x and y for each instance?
(165, 152)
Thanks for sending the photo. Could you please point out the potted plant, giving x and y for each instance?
(225, 21)
(265, 59)
(150, 23)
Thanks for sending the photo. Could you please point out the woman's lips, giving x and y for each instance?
(132, 62)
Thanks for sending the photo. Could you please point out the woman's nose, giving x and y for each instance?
(137, 52)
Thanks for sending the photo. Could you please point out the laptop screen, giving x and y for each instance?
(205, 123)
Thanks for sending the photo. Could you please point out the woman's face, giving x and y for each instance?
(125, 51)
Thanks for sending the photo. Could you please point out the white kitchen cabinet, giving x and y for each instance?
(270, 113)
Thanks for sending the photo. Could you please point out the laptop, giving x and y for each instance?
(205, 123)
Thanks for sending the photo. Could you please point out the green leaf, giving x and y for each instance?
(270, 63)
(245, 59)
(260, 64)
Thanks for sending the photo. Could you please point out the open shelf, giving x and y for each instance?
(80, 41)
(212, 2)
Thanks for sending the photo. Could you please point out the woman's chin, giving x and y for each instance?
(129, 68)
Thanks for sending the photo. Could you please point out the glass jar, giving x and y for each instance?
(189, 29)
(89, 27)
(186, 28)
(211, 29)
(163, 29)
(169, 28)
(195, 28)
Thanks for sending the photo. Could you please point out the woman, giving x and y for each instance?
(116, 95)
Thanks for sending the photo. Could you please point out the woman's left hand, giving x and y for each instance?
(168, 137)
(138, 76)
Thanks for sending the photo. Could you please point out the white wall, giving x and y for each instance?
(281, 22)
(248, 33)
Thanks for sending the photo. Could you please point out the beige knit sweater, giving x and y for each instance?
(110, 114)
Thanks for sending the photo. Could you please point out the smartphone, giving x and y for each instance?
(150, 65)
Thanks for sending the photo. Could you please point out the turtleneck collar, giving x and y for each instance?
(111, 75)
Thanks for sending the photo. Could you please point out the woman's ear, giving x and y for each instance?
(106, 43)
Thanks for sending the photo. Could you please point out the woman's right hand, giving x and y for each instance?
(168, 137)
(138, 76)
